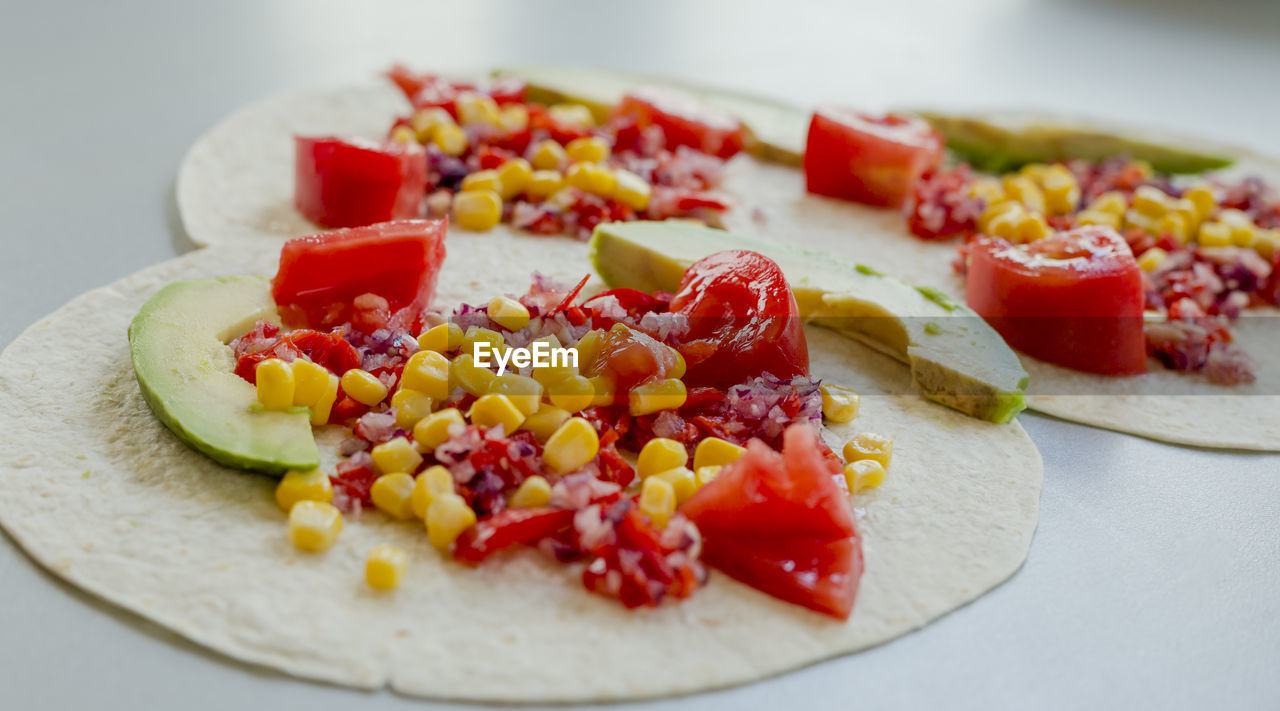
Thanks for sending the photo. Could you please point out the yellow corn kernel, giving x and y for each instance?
(588, 348)
(705, 474)
(679, 368)
(572, 114)
(1031, 228)
(863, 474)
(433, 430)
(604, 388)
(447, 517)
(482, 180)
(588, 149)
(533, 492)
(1267, 242)
(391, 493)
(714, 451)
(310, 381)
(428, 373)
(403, 134)
(476, 108)
(682, 481)
(396, 455)
(839, 404)
(1189, 212)
(444, 338)
(450, 139)
(410, 406)
(1203, 197)
(1152, 259)
(324, 404)
(1061, 190)
(1025, 191)
(384, 567)
(275, 384)
(495, 410)
(524, 392)
(514, 175)
(664, 394)
(1007, 211)
(477, 210)
(425, 121)
(1035, 171)
(508, 313)
(543, 184)
(295, 486)
(435, 481)
(549, 375)
(1151, 201)
(657, 500)
(592, 178)
(514, 118)
(1174, 225)
(631, 190)
(574, 444)
(476, 334)
(869, 446)
(573, 393)
(1135, 219)
(988, 189)
(1214, 234)
(545, 421)
(660, 454)
(314, 525)
(465, 374)
(363, 387)
(1244, 235)
(1098, 217)
(548, 155)
(1113, 202)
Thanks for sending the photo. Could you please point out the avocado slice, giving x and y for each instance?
(178, 342)
(1001, 143)
(776, 131)
(956, 359)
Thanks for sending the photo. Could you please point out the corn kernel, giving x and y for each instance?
(604, 388)
(1203, 197)
(1098, 217)
(482, 180)
(433, 430)
(543, 184)
(435, 481)
(514, 118)
(704, 475)
(588, 348)
(524, 392)
(310, 381)
(1151, 201)
(1113, 202)
(384, 567)
(363, 387)
(632, 190)
(1214, 234)
(592, 178)
(863, 474)
(428, 373)
(1243, 235)
(465, 374)
(1174, 225)
(476, 108)
(573, 393)
(444, 338)
(533, 492)
(476, 334)
(295, 486)
(450, 139)
(548, 155)
(1189, 212)
(869, 446)
(839, 404)
(447, 517)
(664, 394)
(679, 367)
(477, 210)
(1267, 243)
(987, 189)
(574, 444)
(425, 121)
(1035, 171)
(410, 406)
(508, 313)
(275, 384)
(549, 375)
(1031, 228)
(495, 410)
(713, 451)
(396, 455)
(545, 421)
(391, 494)
(514, 175)
(657, 500)
(660, 454)
(588, 149)
(314, 525)
(1025, 191)
(1061, 190)
(1135, 219)
(1007, 213)
(323, 406)
(572, 114)
(1152, 259)
(682, 481)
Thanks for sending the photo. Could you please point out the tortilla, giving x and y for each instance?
(95, 488)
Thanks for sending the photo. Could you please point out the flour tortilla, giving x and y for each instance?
(97, 490)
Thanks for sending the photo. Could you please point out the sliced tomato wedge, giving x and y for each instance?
(743, 320)
(819, 575)
(341, 183)
(320, 275)
(508, 528)
(1074, 298)
(868, 158)
(684, 120)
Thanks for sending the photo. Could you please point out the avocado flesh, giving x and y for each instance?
(185, 369)
(956, 359)
(1002, 144)
(776, 130)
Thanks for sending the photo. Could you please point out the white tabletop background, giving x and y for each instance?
(1154, 578)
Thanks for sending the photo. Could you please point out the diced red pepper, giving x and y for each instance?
(508, 528)
(341, 183)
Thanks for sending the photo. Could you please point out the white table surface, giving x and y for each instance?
(1152, 581)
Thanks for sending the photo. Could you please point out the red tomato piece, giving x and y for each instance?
(868, 158)
(341, 183)
(1074, 298)
(743, 320)
(321, 275)
(819, 575)
(684, 120)
(508, 528)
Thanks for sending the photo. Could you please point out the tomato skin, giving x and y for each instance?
(320, 275)
(340, 183)
(508, 528)
(1074, 298)
(868, 158)
(684, 121)
(820, 575)
(743, 320)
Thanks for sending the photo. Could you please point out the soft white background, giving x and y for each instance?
(1153, 578)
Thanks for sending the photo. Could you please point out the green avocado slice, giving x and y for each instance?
(956, 359)
(1002, 143)
(178, 342)
(777, 130)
